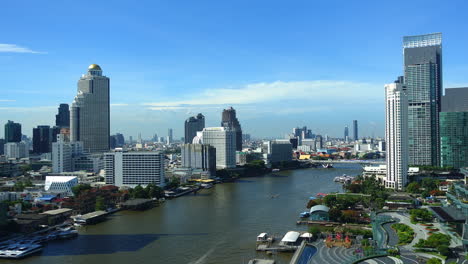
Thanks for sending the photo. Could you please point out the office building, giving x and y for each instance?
(90, 162)
(170, 136)
(61, 184)
(63, 153)
(193, 125)
(16, 150)
(277, 150)
(62, 119)
(454, 128)
(199, 156)
(355, 130)
(396, 135)
(223, 140)
(2, 144)
(134, 168)
(12, 132)
(90, 111)
(229, 120)
(346, 133)
(423, 79)
(42, 139)
(318, 142)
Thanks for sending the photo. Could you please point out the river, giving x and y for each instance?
(217, 225)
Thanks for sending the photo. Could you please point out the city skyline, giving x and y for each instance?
(165, 81)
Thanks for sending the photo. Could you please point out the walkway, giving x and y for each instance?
(334, 255)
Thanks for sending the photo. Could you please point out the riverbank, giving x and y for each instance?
(217, 225)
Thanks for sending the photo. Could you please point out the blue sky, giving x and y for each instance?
(279, 63)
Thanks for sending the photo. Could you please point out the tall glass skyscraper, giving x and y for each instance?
(62, 119)
(90, 111)
(12, 132)
(423, 79)
(454, 128)
(355, 130)
(229, 120)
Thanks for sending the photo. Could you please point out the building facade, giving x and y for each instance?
(396, 135)
(134, 168)
(355, 130)
(193, 125)
(454, 128)
(229, 120)
(62, 119)
(16, 150)
(90, 111)
(60, 184)
(199, 156)
(223, 140)
(423, 79)
(278, 150)
(12, 132)
(63, 153)
(42, 139)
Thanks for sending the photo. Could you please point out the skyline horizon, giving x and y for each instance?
(168, 62)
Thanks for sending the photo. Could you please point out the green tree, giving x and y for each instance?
(100, 204)
(78, 189)
(434, 261)
(413, 187)
(429, 184)
(139, 192)
(174, 182)
(443, 250)
(334, 214)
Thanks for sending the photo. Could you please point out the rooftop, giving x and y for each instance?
(57, 211)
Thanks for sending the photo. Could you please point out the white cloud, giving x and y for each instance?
(119, 104)
(320, 91)
(28, 109)
(12, 48)
(7, 100)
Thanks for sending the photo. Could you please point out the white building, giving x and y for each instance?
(88, 162)
(16, 150)
(134, 168)
(60, 184)
(396, 135)
(223, 140)
(199, 156)
(63, 152)
(90, 111)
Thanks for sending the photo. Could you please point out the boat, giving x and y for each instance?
(206, 185)
(275, 170)
(17, 251)
(304, 214)
(264, 237)
(327, 166)
(344, 179)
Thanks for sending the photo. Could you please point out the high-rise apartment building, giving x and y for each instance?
(277, 150)
(63, 153)
(223, 139)
(423, 79)
(90, 111)
(355, 130)
(12, 132)
(16, 150)
(170, 136)
(396, 135)
(193, 125)
(62, 119)
(134, 168)
(454, 128)
(229, 120)
(42, 139)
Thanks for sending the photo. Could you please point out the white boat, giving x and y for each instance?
(206, 185)
(17, 251)
(264, 237)
(275, 170)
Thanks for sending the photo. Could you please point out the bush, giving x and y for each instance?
(434, 261)
(404, 232)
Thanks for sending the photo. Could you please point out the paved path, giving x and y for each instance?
(334, 255)
(419, 230)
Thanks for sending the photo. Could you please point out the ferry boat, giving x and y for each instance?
(343, 179)
(275, 170)
(327, 166)
(17, 251)
(264, 238)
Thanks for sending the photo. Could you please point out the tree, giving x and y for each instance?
(429, 184)
(443, 250)
(334, 214)
(139, 192)
(434, 261)
(173, 183)
(413, 187)
(78, 189)
(100, 204)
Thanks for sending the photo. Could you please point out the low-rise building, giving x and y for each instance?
(60, 184)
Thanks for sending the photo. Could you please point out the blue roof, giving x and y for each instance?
(47, 197)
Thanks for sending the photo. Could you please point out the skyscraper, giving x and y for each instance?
(169, 136)
(223, 139)
(423, 79)
(346, 133)
(12, 132)
(42, 139)
(355, 130)
(396, 135)
(62, 119)
(90, 113)
(454, 128)
(230, 120)
(192, 126)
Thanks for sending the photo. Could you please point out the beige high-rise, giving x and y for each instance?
(90, 111)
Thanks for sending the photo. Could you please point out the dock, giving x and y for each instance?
(264, 247)
(139, 204)
(91, 218)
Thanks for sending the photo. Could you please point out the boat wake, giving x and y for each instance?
(203, 258)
